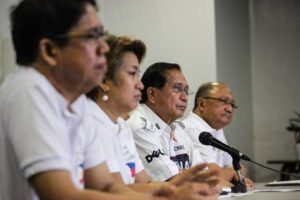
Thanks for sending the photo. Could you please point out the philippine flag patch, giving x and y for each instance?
(131, 166)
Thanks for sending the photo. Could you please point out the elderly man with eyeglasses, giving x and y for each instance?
(213, 110)
(161, 141)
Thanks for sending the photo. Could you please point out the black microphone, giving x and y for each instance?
(207, 139)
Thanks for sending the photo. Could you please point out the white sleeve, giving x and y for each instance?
(158, 165)
(36, 132)
(195, 156)
(111, 158)
(139, 164)
(104, 141)
(206, 152)
(94, 154)
(227, 159)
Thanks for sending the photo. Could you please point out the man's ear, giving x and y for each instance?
(48, 52)
(200, 104)
(152, 94)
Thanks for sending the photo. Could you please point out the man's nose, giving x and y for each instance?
(184, 96)
(229, 108)
(102, 47)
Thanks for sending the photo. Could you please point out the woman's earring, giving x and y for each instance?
(105, 97)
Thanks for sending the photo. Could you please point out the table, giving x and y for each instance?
(288, 166)
(293, 195)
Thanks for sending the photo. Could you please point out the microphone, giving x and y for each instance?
(207, 139)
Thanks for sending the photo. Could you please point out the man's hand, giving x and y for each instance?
(200, 174)
(194, 191)
(188, 175)
(212, 178)
(249, 184)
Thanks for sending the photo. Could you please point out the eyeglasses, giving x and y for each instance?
(178, 88)
(91, 36)
(223, 101)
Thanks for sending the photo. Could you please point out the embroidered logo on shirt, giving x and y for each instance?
(179, 147)
(148, 125)
(131, 166)
(155, 154)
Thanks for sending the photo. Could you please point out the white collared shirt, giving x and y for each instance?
(195, 125)
(38, 133)
(118, 145)
(164, 150)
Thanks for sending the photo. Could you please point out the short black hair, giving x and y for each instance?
(32, 20)
(156, 76)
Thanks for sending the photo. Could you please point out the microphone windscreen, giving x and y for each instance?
(205, 138)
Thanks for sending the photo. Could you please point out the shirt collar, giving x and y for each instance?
(101, 117)
(155, 119)
(204, 125)
(121, 122)
(77, 106)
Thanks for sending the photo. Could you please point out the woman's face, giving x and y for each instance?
(125, 90)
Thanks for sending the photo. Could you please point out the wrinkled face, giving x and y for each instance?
(216, 112)
(82, 61)
(172, 98)
(125, 90)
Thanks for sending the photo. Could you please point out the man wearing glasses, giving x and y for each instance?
(49, 149)
(213, 110)
(164, 147)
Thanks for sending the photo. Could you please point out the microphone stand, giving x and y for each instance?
(239, 186)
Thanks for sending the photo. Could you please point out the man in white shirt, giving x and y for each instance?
(213, 110)
(49, 147)
(162, 143)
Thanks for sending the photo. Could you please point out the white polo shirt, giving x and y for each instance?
(194, 125)
(165, 150)
(118, 145)
(38, 133)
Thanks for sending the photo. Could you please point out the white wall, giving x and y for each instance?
(4, 17)
(173, 30)
(276, 78)
(7, 56)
